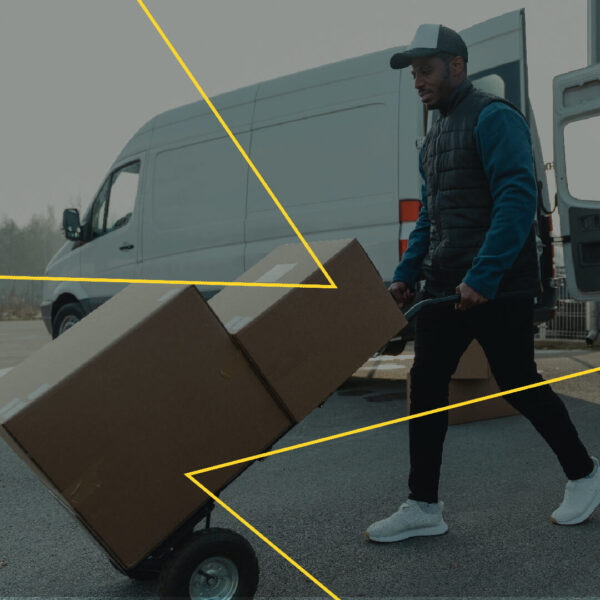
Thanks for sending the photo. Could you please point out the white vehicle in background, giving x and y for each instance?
(337, 144)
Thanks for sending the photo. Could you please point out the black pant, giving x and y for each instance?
(504, 328)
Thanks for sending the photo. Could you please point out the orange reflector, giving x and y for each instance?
(408, 210)
(402, 244)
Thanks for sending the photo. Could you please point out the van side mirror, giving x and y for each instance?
(71, 224)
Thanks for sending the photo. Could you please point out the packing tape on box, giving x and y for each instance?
(13, 407)
(16, 404)
(237, 323)
(37, 393)
(274, 274)
(168, 295)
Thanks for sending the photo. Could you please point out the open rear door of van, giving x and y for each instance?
(576, 151)
(498, 64)
(498, 58)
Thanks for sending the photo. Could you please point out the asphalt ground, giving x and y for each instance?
(500, 483)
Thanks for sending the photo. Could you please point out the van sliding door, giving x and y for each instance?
(325, 141)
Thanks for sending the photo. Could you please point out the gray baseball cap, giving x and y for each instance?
(428, 41)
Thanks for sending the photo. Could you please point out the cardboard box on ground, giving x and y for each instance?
(472, 365)
(151, 385)
(472, 379)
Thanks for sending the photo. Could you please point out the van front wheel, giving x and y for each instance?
(66, 317)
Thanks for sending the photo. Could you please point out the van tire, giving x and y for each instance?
(66, 317)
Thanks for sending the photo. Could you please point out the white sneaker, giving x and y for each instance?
(413, 518)
(582, 497)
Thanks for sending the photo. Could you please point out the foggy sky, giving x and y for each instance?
(79, 77)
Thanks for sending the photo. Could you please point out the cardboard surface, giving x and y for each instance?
(461, 390)
(473, 363)
(386, 367)
(307, 342)
(113, 413)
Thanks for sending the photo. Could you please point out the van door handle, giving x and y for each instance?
(126, 247)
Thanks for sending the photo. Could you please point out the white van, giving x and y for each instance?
(337, 144)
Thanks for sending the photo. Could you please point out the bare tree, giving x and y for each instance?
(26, 251)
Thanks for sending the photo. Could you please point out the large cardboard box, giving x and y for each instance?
(113, 412)
(461, 390)
(472, 365)
(307, 342)
(384, 366)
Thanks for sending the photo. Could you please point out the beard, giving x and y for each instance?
(444, 91)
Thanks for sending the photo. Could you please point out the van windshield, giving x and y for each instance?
(114, 205)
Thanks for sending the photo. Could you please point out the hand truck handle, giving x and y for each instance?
(413, 310)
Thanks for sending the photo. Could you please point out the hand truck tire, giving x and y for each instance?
(212, 563)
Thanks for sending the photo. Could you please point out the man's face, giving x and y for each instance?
(433, 80)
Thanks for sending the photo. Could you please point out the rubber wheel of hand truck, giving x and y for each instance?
(213, 563)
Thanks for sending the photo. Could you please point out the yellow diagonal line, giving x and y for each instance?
(237, 144)
(262, 537)
(174, 282)
(392, 422)
(191, 474)
(332, 286)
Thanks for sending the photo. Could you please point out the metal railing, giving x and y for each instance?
(573, 319)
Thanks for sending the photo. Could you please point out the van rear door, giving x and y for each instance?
(498, 64)
(498, 57)
(576, 148)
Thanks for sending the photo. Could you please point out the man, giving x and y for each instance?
(475, 237)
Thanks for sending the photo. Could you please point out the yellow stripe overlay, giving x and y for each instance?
(331, 285)
(392, 422)
(173, 282)
(262, 537)
(191, 475)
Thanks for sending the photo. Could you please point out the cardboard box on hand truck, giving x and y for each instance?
(151, 385)
(472, 379)
(307, 342)
(113, 412)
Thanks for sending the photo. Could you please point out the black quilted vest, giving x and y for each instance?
(459, 202)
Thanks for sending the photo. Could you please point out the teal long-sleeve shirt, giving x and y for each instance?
(503, 141)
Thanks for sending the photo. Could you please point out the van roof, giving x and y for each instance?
(315, 76)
